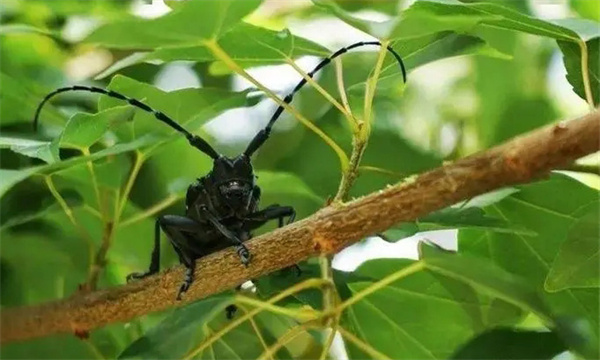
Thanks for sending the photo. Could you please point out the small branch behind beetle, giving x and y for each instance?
(362, 129)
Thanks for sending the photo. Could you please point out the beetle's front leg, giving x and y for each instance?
(155, 257)
(175, 227)
(239, 246)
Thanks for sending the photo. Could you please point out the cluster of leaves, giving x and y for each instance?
(526, 275)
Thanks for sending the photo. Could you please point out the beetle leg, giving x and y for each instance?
(240, 248)
(155, 257)
(175, 227)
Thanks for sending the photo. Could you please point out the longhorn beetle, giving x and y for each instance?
(222, 206)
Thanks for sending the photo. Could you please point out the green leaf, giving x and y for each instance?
(83, 130)
(467, 215)
(308, 159)
(489, 198)
(189, 24)
(184, 330)
(470, 217)
(133, 59)
(19, 98)
(24, 28)
(419, 51)
(572, 59)
(59, 248)
(385, 6)
(485, 277)
(514, 123)
(185, 327)
(10, 178)
(282, 184)
(193, 106)
(446, 12)
(430, 16)
(39, 210)
(578, 261)
(550, 209)
(102, 342)
(32, 148)
(498, 16)
(189, 107)
(247, 44)
(272, 284)
(586, 8)
(457, 218)
(404, 320)
(377, 29)
(505, 343)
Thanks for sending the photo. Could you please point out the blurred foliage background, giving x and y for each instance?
(479, 73)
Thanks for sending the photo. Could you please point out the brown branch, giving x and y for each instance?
(520, 160)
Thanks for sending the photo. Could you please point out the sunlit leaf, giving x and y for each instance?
(83, 130)
(189, 24)
(586, 8)
(33, 148)
(247, 44)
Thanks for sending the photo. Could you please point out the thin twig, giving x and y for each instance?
(154, 209)
(110, 226)
(69, 213)
(90, 165)
(302, 314)
(307, 284)
(339, 75)
(220, 54)
(362, 345)
(289, 335)
(585, 73)
(256, 330)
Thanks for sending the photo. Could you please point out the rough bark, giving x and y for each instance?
(522, 159)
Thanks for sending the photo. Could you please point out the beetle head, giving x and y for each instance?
(234, 180)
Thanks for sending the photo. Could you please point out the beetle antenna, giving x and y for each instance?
(194, 140)
(263, 134)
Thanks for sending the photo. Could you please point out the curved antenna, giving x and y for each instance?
(194, 140)
(263, 135)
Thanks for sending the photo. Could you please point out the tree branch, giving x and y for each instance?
(520, 160)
